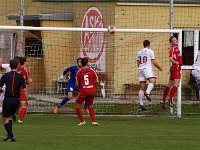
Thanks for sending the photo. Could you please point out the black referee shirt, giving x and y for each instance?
(13, 81)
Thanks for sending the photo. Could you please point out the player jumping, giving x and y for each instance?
(144, 59)
(175, 72)
(71, 85)
(86, 79)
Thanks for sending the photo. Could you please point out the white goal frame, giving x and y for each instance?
(179, 31)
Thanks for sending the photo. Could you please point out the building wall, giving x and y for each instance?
(62, 48)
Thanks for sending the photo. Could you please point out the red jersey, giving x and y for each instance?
(86, 78)
(176, 55)
(23, 71)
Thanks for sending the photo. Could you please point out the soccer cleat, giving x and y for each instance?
(87, 111)
(82, 123)
(14, 118)
(163, 105)
(147, 96)
(143, 108)
(20, 121)
(171, 103)
(95, 124)
(13, 139)
(56, 110)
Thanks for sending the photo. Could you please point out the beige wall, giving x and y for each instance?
(62, 48)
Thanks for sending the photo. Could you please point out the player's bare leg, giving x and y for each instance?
(23, 108)
(150, 87)
(80, 115)
(141, 96)
(173, 91)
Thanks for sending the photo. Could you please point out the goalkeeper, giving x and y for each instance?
(71, 85)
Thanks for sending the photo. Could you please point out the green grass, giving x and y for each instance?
(60, 132)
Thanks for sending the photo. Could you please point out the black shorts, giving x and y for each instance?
(10, 105)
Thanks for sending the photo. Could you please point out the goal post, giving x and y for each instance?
(43, 100)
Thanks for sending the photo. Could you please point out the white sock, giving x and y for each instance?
(149, 88)
(141, 96)
(0, 109)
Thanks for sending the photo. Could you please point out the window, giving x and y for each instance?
(188, 47)
(33, 47)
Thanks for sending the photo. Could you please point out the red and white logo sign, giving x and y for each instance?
(93, 43)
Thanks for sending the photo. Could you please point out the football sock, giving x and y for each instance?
(141, 96)
(166, 91)
(8, 127)
(172, 93)
(22, 113)
(149, 88)
(92, 116)
(79, 114)
(65, 100)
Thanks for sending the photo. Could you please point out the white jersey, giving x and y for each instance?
(6, 67)
(196, 65)
(145, 56)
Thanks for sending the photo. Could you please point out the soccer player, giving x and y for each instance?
(175, 72)
(71, 85)
(145, 72)
(86, 79)
(196, 72)
(23, 99)
(14, 82)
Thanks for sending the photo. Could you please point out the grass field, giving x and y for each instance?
(60, 132)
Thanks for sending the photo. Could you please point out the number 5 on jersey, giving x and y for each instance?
(86, 79)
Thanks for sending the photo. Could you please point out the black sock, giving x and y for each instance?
(8, 127)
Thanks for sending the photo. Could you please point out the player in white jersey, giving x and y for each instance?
(5, 68)
(145, 58)
(196, 68)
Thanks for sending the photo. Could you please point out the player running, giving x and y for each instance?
(86, 79)
(23, 99)
(71, 85)
(145, 72)
(175, 72)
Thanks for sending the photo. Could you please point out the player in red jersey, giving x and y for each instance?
(175, 72)
(86, 78)
(23, 99)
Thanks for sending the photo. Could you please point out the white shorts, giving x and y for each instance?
(145, 74)
(196, 74)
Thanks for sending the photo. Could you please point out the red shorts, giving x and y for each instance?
(22, 96)
(175, 74)
(83, 96)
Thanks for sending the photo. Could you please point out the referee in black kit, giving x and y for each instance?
(13, 82)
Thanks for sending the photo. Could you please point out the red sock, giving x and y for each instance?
(91, 110)
(172, 93)
(166, 91)
(22, 114)
(79, 114)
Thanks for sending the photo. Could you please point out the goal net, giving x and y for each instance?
(54, 33)
(113, 56)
